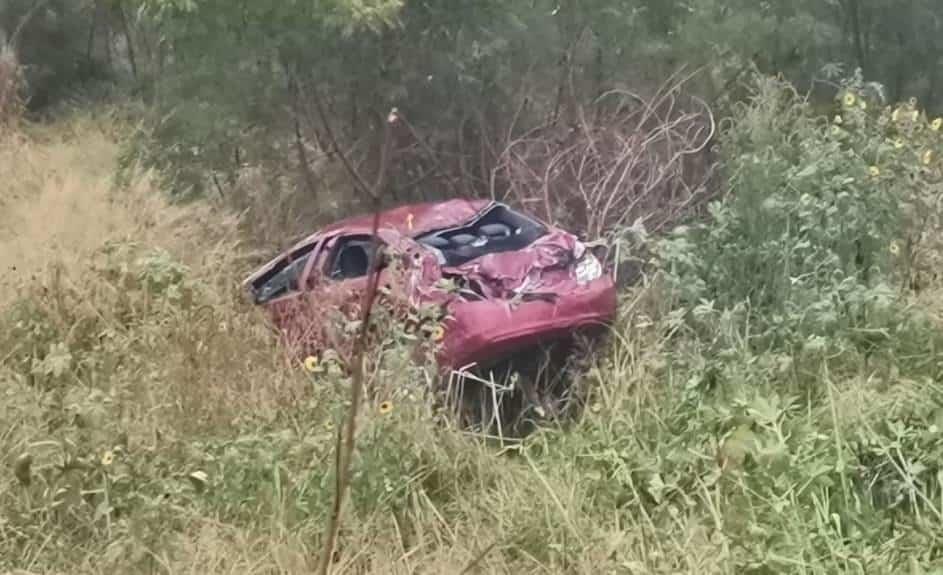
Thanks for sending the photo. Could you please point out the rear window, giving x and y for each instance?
(499, 229)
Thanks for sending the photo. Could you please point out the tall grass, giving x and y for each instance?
(150, 423)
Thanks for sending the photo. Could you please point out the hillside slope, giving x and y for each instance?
(149, 423)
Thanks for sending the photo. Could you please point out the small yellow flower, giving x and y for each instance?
(898, 144)
(894, 248)
(311, 364)
(838, 120)
(937, 124)
(927, 157)
(896, 115)
(108, 458)
(386, 407)
(874, 171)
(438, 333)
(849, 100)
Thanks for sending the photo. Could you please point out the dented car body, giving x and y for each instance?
(503, 281)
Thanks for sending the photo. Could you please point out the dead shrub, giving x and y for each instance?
(625, 160)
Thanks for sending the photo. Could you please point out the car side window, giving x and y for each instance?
(285, 277)
(352, 257)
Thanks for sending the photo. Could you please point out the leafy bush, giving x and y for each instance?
(780, 397)
(822, 218)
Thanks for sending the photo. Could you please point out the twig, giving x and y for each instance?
(646, 157)
(359, 181)
(302, 153)
(219, 187)
(15, 37)
(474, 563)
(347, 442)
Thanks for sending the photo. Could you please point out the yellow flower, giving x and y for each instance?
(874, 171)
(894, 248)
(937, 124)
(927, 157)
(849, 99)
(108, 458)
(438, 333)
(896, 115)
(838, 120)
(311, 364)
(898, 144)
(386, 407)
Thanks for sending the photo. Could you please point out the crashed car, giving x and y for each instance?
(504, 281)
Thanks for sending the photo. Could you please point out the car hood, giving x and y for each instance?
(533, 269)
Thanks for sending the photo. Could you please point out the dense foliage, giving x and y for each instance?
(230, 85)
(769, 400)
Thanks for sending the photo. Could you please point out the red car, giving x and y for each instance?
(505, 282)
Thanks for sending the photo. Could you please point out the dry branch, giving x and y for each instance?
(359, 182)
(346, 442)
(11, 104)
(640, 160)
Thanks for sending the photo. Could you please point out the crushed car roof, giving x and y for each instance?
(414, 219)
(409, 220)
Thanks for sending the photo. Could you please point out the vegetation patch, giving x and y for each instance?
(769, 399)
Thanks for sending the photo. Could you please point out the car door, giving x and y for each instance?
(342, 274)
(331, 291)
(292, 312)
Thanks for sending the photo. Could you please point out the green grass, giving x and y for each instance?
(149, 422)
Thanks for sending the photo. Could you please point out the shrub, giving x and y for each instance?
(823, 219)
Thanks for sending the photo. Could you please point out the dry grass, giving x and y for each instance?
(61, 208)
(75, 252)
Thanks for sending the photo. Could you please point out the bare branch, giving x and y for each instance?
(346, 442)
(633, 159)
(15, 37)
(359, 181)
